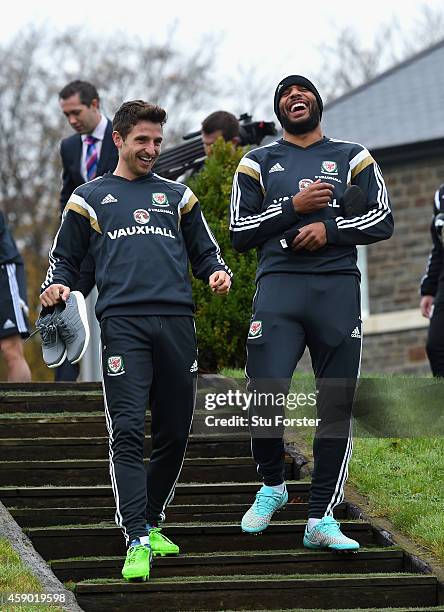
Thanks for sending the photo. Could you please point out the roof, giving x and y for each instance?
(401, 106)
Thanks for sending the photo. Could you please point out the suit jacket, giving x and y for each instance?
(71, 152)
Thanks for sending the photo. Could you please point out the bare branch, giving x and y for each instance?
(349, 63)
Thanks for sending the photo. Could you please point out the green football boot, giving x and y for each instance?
(160, 544)
(138, 562)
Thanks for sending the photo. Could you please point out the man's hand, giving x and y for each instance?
(310, 237)
(426, 305)
(54, 294)
(220, 282)
(315, 197)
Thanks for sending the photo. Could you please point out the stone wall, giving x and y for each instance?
(396, 266)
(401, 352)
(396, 353)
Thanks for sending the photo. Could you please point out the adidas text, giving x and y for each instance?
(194, 366)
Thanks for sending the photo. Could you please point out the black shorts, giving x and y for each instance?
(13, 306)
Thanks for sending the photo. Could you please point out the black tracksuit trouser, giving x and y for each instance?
(435, 337)
(322, 312)
(147, 360)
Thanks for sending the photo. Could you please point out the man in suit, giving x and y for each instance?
(88, 153)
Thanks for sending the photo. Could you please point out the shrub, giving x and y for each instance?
(222, 322)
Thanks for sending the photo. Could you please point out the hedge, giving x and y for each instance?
(222, 322)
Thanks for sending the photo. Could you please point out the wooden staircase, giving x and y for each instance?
(54, 481)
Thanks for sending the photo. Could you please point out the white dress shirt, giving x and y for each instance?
(99, 133)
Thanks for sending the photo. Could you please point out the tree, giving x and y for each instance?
(35, 65)
(347, 62)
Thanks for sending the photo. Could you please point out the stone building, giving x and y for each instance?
(399, 117)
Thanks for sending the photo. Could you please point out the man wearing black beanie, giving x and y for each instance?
(307, 295)
(304, 83)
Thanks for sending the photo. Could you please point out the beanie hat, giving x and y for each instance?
(295, 79)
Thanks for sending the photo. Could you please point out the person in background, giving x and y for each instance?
(88, 153)
(13, 307)
(432, 289)
(219, 123)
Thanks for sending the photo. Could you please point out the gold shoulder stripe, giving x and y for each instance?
(360, 167)
(249, 171)
(82, 211)
(77, 208)
(95, 225)
(189, 205)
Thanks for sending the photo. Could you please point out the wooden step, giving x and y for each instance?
(377, 560)
(59, 425)
(96, 471)
(41, 517)
(63, 425)
(83, 397)
(199, 445)
(43, 397)
(76, 541)
(76, 424)
(87, 496)
(256, 593)
(391, 609)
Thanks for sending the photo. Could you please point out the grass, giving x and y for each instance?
(402, 477)
(16, 578)
(404, 480)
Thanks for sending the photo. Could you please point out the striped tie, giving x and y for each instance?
(91, 157)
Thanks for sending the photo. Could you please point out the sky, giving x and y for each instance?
(270, 39)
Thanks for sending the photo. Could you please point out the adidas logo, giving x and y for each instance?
(194, 366)
(109, 199)
(356, 333)
(8, 324)
(276, 168)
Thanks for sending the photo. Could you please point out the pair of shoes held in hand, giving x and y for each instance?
(65, 331)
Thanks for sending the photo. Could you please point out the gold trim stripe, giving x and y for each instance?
(81, 211)
(249, 171)
(360, 167)
(189, 205)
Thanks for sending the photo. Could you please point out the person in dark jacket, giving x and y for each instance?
(307, 294)
(432, 288)
(141, 231)
(88, 153)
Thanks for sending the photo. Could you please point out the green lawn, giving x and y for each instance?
(16, 578)
(402, 477)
